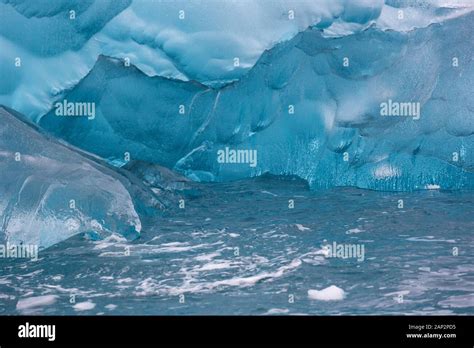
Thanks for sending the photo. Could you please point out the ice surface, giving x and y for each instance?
(51, 191)
(29, 303)
(84, 306)
(202, 46)
(331, 293)
(336, 136)
(160, 178)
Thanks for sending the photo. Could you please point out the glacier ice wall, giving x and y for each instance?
(201, 43)
(50, 191)
(335, 134)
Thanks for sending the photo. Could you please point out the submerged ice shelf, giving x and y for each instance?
(51, 191)
(310, 107)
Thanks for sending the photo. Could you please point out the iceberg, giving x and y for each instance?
(331, 293)
(312, 106)
(209, 41)
(51, 191)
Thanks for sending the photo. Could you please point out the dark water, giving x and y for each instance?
(239, 249)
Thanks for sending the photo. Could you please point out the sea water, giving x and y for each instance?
(264, 246)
